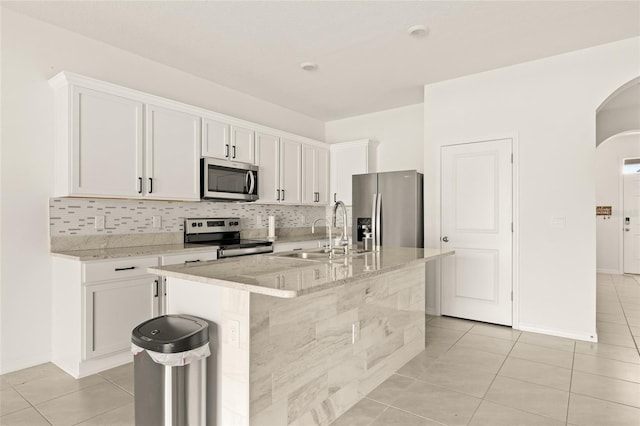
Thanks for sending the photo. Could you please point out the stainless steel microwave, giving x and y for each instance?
(225, 180)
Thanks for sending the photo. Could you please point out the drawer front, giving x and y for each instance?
(117, 269)
(173, 259)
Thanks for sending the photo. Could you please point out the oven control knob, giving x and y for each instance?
(193, 225)
(199, 224)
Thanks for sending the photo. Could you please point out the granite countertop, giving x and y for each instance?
(278, 276)
(116, 252)
(157, 249)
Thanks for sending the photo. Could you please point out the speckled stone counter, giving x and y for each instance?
(278, 276)
(121, 252)
(335, 330)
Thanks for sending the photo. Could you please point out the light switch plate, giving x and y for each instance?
(157, 221)
(558, 222)
(234, 333)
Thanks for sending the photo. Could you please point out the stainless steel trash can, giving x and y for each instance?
(170, 370)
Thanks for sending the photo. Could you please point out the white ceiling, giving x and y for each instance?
(366, 61)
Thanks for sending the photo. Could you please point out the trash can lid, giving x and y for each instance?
(171, 333)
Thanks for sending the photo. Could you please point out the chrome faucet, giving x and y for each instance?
(313, 231)
(344, 240)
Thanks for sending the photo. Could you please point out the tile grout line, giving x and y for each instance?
(625, 316)
(573, 362)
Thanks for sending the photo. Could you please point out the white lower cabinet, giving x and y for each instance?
(113, 309)
(95, 306)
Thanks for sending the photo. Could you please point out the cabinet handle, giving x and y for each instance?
(155, 288)
(150, 185)
(226, 150)
(128, 268)
(282, 194)
(192, 261)
(234, 151)
(139, 185)
(334, 197)
(278, 196)
(164, 286)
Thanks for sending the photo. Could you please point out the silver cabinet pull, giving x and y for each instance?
(282, 194)
(226, 150)
(234, 151)
(139, 185)
(445, 239)
(192, 261)
(155, 288)
(278, 196)
(150, 185)
(128, 268)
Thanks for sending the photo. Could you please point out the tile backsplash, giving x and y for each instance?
(76, 216)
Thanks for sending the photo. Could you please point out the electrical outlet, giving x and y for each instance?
(234, 333)
(258, 220)
(99, 223)
(355, 332)
(157, 221)
(303, 219)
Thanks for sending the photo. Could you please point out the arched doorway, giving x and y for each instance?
(617, 140)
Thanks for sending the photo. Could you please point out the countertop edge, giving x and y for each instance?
(291, 293)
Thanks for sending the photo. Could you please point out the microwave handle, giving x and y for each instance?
(252, 180)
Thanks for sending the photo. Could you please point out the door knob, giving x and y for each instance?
(445, 239)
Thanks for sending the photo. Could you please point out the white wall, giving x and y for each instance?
(399, 133)
(609, 159)
(32, 52)
(549, 107)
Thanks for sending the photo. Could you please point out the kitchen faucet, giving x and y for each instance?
(313, 231)
(344, 240)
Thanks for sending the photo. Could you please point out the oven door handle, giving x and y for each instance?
(222, 253)
(252, 181)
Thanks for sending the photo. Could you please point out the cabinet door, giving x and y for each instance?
(172, 155)
(322, 175)
(215, 139)
(346, 161)
(290, 172)
(309, 177)
(107, 144)
(242, 146)
(113, 309)
(268, 160)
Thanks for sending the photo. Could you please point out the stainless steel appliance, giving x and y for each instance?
(225, 180)
(224, 233)
(389, 206)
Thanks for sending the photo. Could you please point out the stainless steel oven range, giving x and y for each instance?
(224, 233)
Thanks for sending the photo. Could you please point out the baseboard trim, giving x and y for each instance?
(559, 333)
(608, 271)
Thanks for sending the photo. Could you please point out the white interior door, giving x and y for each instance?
(476, 212)
(631, 223)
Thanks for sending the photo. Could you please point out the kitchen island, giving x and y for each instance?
(299, 341)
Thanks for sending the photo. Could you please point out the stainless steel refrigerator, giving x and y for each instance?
(389, 205)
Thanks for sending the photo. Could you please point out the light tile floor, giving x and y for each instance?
(470, 373)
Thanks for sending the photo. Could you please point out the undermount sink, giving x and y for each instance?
(317, 254)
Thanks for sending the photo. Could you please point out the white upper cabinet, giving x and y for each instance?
(315, 175)
(348, 159)
(106, 137)
(290, 172)
(268, 161)
(172, 154)
(280, 169)
(215, 139)
(113, 142)
(242, 145)
(227, 141)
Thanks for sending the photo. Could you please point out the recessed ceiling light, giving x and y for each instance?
(309, 66)
(418, 31)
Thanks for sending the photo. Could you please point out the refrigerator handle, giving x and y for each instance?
(378, 223)
(373, 220)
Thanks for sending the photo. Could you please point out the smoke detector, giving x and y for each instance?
(309, 66)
